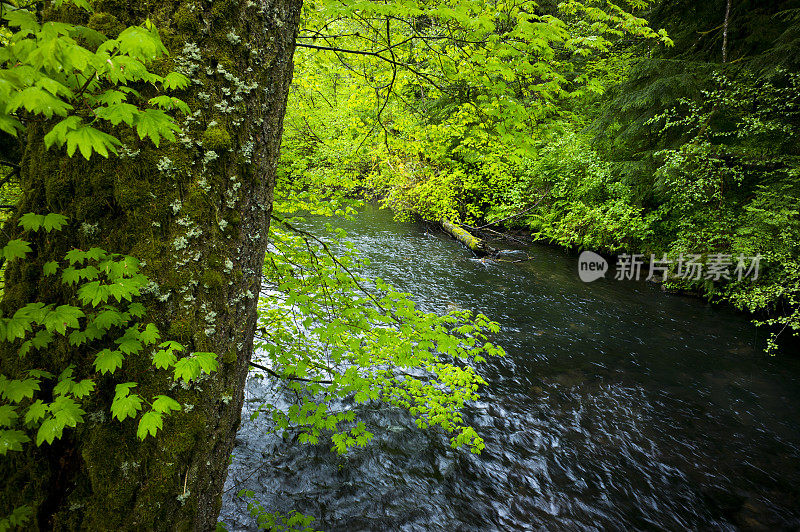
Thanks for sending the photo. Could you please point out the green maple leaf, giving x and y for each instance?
(107, 361)
(75, 255)
(155, 124)
(89, 139)
(124, 405)
(163, 404)
(35, 412)
(150, 334)
(187, 368)
(8, 414)
(50, 430)
(12, 440)
(16, 249)
(136, 310)
(58, 135)
(208, 361)
(54, 221)
(67, 411)
(140, 43)
(83, 388)
(38, 101)
(50, 268)
(94, 293)
(108, 318)
(149, 424)
(30, 221)
(168, 103)
(164, 358)
(118, 112)
(63, 317)
(10, 125)
(175, 80)
(17, 390)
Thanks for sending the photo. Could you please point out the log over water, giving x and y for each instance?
(465, 237)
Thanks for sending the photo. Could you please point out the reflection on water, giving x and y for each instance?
(617, 407)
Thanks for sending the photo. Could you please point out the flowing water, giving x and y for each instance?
(617, 407)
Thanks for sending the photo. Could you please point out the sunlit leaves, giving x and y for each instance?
(330, 339)
(108, 361)
(38, 83)
(125, 404)
(191, 367)
(77, 78)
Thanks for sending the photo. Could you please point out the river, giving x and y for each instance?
(617, 407)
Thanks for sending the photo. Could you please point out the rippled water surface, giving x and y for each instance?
(617, 407)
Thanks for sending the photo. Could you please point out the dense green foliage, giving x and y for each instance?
(333, 334)
(327, 332)
(626, 144)
(575, 121)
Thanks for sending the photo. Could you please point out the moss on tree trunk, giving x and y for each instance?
(196, 212)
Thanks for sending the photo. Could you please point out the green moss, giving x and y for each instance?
(131, 193)
(217, 139)
(212, 279)
(106, 23)
(182, 328)
(187, 20)
(223, 9)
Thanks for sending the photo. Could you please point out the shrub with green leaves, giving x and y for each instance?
(331, 334)
(106, 323)
(80, 77)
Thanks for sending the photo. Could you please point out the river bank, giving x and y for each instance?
(514, 235)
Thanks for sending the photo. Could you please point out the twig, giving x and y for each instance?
(515, 215)
(287, 377)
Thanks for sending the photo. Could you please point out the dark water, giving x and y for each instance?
(617, 407)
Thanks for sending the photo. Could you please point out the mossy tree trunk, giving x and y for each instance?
(196, 212)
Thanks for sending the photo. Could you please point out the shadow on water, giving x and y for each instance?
(617, 407)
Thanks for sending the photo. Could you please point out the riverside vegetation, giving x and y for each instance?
(140, 145)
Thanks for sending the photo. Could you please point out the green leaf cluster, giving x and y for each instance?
(78, 75)
(330, 334)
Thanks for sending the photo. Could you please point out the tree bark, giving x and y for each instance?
(725, 32)
(197, 213)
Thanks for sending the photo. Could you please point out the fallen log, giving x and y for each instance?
(474, 243)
